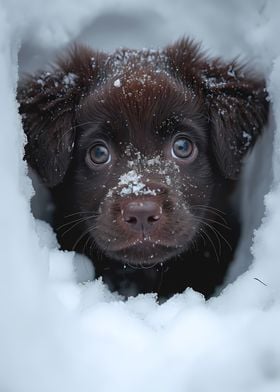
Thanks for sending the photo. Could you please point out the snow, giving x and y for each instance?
(69, 79)
(62, 331)
(117, 83)
(132, 182)
(247, 138)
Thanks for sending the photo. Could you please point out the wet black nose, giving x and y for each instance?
(142, 215)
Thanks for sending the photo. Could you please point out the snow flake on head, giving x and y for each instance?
(61, 81)
(231, 71)
(130, 62)
(213, 81)
(43, 79)
(93, 62)
(117, 83)
(69, 80)
(247, 138)
(41, 82)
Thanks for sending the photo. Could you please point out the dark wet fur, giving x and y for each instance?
(222, 107)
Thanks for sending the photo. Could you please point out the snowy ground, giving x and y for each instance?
(59, 335)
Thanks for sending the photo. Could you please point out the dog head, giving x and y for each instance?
(141, 142)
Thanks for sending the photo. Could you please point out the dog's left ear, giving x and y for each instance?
(236, 102)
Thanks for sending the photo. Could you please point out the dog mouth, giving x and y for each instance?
(143, 251)
(137, 255)
(144, 248)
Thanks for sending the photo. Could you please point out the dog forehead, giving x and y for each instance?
(137, 83)
(140, 97)
(131, 59)
(137, 75)
(136, 98)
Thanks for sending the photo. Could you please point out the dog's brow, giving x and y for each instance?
(97, 130)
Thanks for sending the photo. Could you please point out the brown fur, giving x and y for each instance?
(137, 102)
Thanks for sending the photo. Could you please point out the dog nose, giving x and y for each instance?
(142, 215)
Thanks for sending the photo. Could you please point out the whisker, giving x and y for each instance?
(216, 232)
(222, 237)
(218, 223)
(93, 246)
(87, 231)
(201, 235)
(78, 221)
(211, 210)
(212, 243)
(72, 221)
(80, 212)
(74, 127)
(86, 243)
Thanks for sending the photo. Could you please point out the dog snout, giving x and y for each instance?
(141, 215)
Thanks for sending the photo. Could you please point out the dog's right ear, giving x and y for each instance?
(48, 103)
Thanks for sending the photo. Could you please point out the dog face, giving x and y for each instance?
(140, 143)
(138, 155)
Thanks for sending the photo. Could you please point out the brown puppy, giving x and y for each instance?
(141, 150)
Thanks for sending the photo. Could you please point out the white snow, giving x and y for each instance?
(247, 137)
(117, 83)
(57, 334)
(131, 183)
(69, 79)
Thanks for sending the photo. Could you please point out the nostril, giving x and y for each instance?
(152, 219)
(141, 215)
(131, 219)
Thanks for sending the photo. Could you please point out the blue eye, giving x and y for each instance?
(182, 148)
(100, 154)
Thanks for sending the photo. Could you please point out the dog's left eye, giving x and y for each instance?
(182, 148)
(99, 154)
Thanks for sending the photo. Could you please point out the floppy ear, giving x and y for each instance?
(238, 109)
(236, 102)
(48, 102)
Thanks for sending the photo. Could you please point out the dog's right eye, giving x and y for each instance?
(99, 154)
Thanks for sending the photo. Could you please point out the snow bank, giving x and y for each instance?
(57, 334)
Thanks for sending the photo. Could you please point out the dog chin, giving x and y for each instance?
(142, 255)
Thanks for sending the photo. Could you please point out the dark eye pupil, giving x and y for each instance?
(99, 154)
(182, 148)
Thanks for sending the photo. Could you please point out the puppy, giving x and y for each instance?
(141, 151)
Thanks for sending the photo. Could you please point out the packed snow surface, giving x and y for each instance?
(62, 331)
